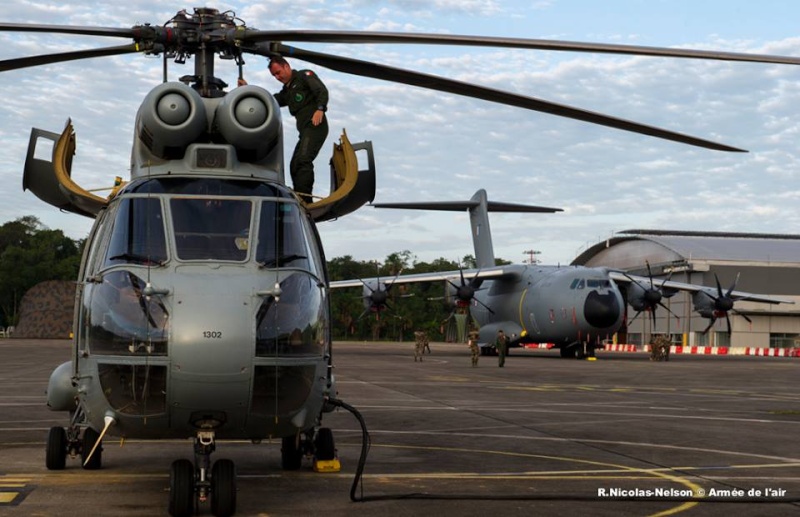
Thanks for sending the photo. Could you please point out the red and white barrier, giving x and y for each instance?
(741, 350)
(702, 350)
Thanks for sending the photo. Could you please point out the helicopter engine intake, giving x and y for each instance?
(248, 118)
(171, 117)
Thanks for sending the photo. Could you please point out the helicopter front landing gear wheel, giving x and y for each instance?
(181, 488)
(57, 449)
(223, 488)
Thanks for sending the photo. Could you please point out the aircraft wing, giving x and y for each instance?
(619, 276)
(453, 276)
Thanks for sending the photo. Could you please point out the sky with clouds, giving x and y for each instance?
(434, 146)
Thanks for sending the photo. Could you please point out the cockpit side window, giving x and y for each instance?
(138, 233)
(211, 228)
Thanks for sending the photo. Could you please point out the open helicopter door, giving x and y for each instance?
(51, 180)
(351, 188)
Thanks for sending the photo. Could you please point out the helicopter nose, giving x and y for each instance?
(602, 310)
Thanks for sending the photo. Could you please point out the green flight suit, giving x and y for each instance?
(304, 95)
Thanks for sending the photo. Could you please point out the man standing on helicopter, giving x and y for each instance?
(307, 99)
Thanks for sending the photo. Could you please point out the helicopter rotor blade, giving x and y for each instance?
(442, 84)
(69, 29)
(46, 59)
(520, 43)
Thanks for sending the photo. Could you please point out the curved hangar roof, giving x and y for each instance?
(629, 249)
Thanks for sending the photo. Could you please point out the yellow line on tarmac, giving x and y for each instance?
(7, 497)
(696, 489)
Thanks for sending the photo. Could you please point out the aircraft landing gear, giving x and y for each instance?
(321, 447)
(63, 443)
(578, 351)
(190, 485)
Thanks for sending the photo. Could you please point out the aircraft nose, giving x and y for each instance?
(602, 310)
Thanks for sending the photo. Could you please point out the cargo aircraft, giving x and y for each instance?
(576, 308)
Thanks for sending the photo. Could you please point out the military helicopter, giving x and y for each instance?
(202, 301)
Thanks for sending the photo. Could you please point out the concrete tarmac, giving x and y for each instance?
(622, 435)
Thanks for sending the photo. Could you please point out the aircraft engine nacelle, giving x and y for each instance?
(249, 119)
(171, 117)
(703, 304)
(61, 393)
(637, 297)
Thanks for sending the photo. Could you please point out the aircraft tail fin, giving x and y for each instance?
(479, 207)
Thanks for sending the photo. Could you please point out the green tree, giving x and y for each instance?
(29, 254)
(412, 306)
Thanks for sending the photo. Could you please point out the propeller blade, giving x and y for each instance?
(728, 321)
(743, 316)
(522, 43)
(68, 29)
(484, 305)
(719, 288)
(46, 59)
(432, 82)
(669, 311)
(634, 317)
(713, 320)
(733, 285)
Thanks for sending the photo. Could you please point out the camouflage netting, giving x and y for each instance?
(46, 311)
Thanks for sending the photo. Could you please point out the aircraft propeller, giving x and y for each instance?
(646, 299)
(376, 299)
(714, 307)
(465, 292)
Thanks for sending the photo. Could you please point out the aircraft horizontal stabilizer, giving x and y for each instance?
(459, 206)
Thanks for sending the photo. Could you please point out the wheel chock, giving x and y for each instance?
(327, 465)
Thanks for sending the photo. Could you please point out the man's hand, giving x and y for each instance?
(241, 82)
(316, 119)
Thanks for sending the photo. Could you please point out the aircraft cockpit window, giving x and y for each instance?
(577, 283)
(295, 323)
(138, 233)
(597, 282)
(282, 237)
(211, 228)
(121, 320)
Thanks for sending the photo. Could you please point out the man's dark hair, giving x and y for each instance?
(278, 60)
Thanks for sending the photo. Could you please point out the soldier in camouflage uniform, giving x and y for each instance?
(473, 346)
(501, 343)
(419, 344)
(659, 348)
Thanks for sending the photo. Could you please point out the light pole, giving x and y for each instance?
(531, 259)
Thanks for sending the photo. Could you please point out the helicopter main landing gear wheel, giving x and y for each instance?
(291, 453)
(90, 438)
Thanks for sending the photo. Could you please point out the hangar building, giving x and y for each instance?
(763, 263)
